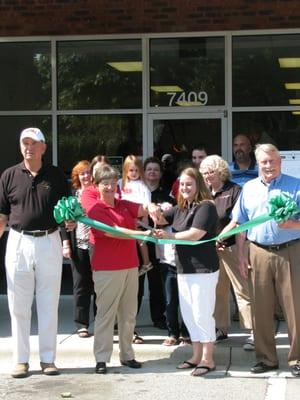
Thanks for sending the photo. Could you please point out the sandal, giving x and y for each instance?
(205, 370)
(83, 333)
(137, 339)
(170, 341)
(185, 340)
(186, 365)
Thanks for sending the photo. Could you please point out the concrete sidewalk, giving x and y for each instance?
(158, 378)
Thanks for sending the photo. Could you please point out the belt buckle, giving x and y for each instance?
(38, 233)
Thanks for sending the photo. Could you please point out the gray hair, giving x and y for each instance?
(105, 172)
(218, 164)
(266, 148)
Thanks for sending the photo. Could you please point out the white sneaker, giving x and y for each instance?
(249, 344)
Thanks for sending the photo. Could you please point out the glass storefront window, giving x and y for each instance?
(103, 74)
(25, 71)
(12, 126)
(263, 67)
(187, 72)
(281, 128)
(84, 136)
(180, 136)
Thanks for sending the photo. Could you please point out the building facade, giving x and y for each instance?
(148, 77)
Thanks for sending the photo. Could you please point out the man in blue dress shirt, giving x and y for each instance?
(273, 259)
(244, 167)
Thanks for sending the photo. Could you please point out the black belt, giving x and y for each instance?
(39, 233)
(276, 247)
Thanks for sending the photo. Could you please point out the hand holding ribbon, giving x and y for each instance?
(280, 208)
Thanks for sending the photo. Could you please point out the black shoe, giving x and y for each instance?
(220, 335)
(295, 370)
(131, 363)
(160, 324)
(261, 367)
(101, 368)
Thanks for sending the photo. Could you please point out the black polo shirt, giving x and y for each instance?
(29, 201)
(225, 199)
(200, 258)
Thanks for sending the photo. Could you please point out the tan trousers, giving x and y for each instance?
(275, 273)
(116, 298)
(229, 273)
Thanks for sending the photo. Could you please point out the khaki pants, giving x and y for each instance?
(229, 273)
(116, 293)
(275, 274)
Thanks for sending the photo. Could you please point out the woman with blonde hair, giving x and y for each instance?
(195, 218)
(225, 193)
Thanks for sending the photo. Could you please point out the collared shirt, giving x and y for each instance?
(29, 201)
(241, 176)
(224, 200)
(113, 253)
(201, 258)
(253, 202)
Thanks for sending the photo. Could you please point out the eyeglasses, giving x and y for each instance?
(105, 183)
(208, 173)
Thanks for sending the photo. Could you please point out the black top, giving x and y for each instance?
(28, 200)
(225, 199)
(201, 258)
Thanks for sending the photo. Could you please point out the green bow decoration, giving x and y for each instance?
(280, 208)
(67, 209)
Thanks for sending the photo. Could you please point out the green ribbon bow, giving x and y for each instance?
(280, 208)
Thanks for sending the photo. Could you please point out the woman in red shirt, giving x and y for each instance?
(115, 268)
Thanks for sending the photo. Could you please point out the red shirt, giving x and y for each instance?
(113, 253)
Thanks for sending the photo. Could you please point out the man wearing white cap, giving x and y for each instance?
(28, 193)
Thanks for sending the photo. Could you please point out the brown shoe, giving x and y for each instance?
(49, 368)
(20, 370)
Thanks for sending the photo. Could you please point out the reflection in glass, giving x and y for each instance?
(84, 136)
(99, 74)
(11, 127)
(187, 72)
(260, 70)
(180, 136)
(25, 71)
(281, 128)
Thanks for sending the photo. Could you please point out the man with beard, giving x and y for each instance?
(244, 167)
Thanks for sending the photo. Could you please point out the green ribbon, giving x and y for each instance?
(280, 208)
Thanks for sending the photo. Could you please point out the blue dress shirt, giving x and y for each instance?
(253, 202)
(241, 176)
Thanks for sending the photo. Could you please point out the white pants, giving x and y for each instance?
(197, 297)
(33, 265)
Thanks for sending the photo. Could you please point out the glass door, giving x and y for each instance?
(178, 134)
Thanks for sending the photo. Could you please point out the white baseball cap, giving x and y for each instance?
(33, 133)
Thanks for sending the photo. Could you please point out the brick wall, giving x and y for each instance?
(66, 17)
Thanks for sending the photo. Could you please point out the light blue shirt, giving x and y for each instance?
(253, 202)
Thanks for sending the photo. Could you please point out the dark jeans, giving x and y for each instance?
(169, 278)
(83, 287)
(156, 295)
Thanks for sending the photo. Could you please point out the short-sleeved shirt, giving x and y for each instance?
(253, 202)
(135, 191)
(114, 253)
(29, 201)
(241, 176)
(224, 200)
(201, 258)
